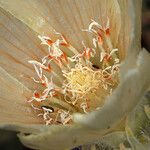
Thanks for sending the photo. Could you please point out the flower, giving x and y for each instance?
(73, 75)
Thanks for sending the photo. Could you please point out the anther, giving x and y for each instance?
(47, 108)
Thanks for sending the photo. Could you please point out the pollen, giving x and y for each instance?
(69, 80)
(82, 80)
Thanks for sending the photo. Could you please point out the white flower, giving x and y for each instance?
(76, 69)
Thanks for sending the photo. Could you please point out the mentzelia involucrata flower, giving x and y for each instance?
(84, 78)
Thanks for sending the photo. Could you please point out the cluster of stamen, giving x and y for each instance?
(81, 78)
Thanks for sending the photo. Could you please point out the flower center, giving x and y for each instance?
(81, 81)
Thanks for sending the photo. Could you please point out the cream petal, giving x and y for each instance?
(49, 136)
(126, 96)
(125, 34)
(67, 17)
(18, 45)
(130, 35)
(13, 106)
(130, 25)
(60, 137)
(25, 12)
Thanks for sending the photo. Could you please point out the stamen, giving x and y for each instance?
(81, 79)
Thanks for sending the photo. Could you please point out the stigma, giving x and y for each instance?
(78, 82)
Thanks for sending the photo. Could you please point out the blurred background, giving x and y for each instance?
(146, 25)
(9, 140)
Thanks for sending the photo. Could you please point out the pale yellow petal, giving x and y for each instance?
(130, 35)
(60, 137)
(125, 34)
(66, 16)
(24, 11)
(75, 135)
(14, 108)
(18, 45)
